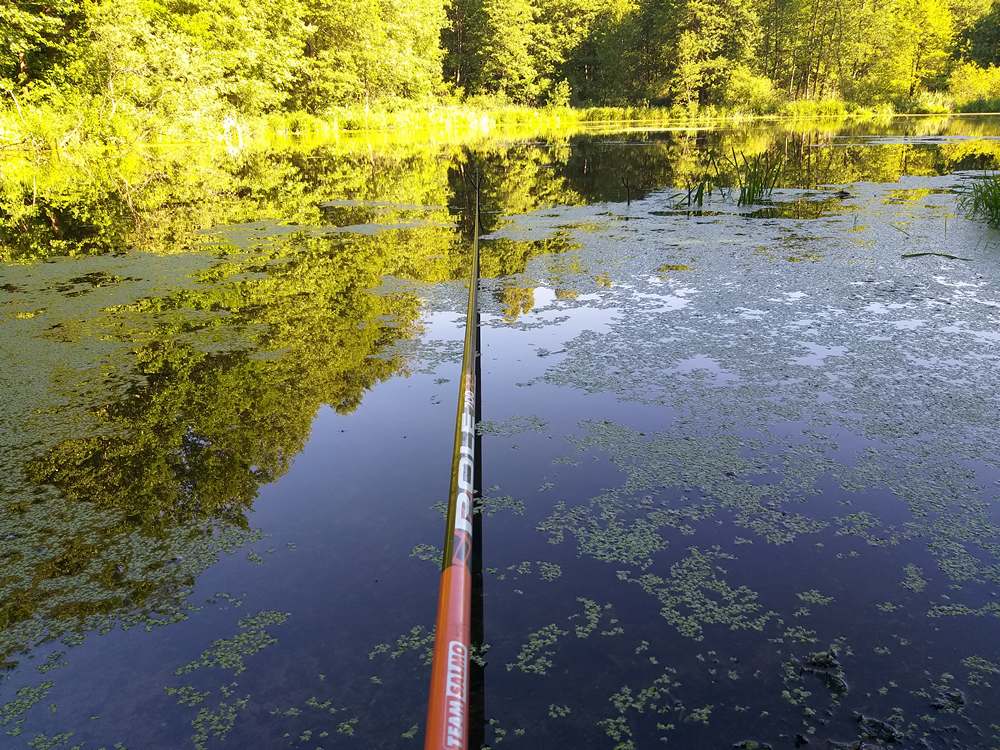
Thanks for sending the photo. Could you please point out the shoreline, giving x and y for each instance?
(456, 125)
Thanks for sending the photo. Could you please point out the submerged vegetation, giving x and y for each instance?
(981, 200)
(127, 71)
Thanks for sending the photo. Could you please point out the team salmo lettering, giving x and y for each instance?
(458, 664)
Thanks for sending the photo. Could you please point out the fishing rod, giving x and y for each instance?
(448, 705)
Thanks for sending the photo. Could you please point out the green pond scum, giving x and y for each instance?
(741, 452)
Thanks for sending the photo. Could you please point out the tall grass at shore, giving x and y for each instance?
(981, 200)
(44, 127)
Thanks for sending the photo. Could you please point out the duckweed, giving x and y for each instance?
(812, 596)
(535, 656)
(229, 653)
(913, 579)
(12, 713)
(694, 596)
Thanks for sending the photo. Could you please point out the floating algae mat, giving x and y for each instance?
(741, 464)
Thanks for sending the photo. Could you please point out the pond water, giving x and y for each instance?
(741, 463)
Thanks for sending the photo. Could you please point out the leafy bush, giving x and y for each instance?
(971, 86)
(560, 94)
(982, 105)
(748, 92)
(930, 103)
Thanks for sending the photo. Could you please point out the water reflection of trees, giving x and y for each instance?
(159, 201)
(212, 397)
(215, 384)
(214, 387)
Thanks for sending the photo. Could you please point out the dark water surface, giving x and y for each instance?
(742, 462)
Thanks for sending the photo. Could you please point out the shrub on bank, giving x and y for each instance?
(814, 108)
(931, 103)
(748, 92)
(974, 88)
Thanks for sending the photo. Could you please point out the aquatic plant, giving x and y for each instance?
(699, 187)
(757, 177)
(535, 656)
(695, 194)
(981, 200)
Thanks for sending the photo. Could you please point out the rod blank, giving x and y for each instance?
(448, 705)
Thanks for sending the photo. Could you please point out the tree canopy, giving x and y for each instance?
(188, 60)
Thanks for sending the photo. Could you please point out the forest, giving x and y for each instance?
(131, 68)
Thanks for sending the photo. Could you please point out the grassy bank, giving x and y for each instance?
(46, 130)
(43, 129)
(467, 123)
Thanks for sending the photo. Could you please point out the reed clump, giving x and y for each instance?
(981, 200)
(757, 176)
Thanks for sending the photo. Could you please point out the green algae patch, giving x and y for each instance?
(230, 653)
(14, 712)
(913, 579)
(418, 640)
(511, 426)
(535, 655)
(694, 596)
(587, 621)
(812, 596)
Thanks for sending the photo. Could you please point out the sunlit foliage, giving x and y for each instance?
(123, 71)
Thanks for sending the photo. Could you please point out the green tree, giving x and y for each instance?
(687, 47)
(561, 28)
(983, 38)
(712, 39)
(370, 51)
(251, 48)
(926, 34)
(33, 36)
(506, 64)
(460, 39)
(968, 13)
(602, 68)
